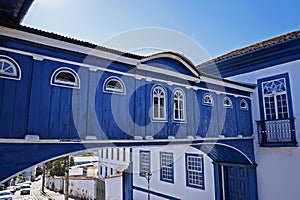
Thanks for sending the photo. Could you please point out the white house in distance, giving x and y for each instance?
(273, 65)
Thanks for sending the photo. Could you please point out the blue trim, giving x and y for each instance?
(288, 93)
(155, 193)
(161, 172)
(202, 171)
(266, 57)
(218, 181)
(144, 151)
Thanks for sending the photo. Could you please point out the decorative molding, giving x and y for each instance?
(96, 68)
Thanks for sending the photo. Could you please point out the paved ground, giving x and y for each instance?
(35, 193)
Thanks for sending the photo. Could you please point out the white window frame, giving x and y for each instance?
(226, 105)
(16, 75)
(246, 107)
(159, 96)
(207, 95)
(167, 165)
(191, 170)
(274, 95)
(67, 84)
(145, 162)
(114, 90)
(182, 116)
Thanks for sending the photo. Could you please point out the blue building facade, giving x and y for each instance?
(60, 95)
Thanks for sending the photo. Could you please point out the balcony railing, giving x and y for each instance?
(277, 132)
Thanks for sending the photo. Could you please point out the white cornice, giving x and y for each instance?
(167, 72)
(65, 45)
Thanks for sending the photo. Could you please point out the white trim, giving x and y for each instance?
(65, 84)
(230, 102)
(211, 97)
(66, 45)
(159, 119)
(147, 78)
(274, 95)
(225, 84)
(167, 72)
(18, 73)
(226, 145)
(246, 103)
(168, 55)
(111, 90)
(184, 120)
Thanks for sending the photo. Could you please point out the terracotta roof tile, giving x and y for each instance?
(254, 47)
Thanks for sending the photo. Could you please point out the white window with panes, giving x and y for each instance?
(166, 161)
(159, 103)
(144, 162)
(179, 105)
(275, 99)
(194, 170)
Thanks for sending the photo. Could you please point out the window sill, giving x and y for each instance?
(279, 144)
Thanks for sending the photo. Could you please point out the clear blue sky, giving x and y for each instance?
(218, 26)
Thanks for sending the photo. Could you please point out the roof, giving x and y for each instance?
(66, 39)
(173, 55)
(14, 10)
(260, 45)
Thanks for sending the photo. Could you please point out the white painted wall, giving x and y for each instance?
(113, 188)
(84, 189)
(112, 161)
(178, 189)
(78, 187)
(278, 168)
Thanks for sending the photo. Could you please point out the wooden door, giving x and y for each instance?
(237, 183)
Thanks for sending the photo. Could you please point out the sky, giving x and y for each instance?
(217, 27)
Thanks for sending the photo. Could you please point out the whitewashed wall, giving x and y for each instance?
(84, 189)
(178, 189)
(114, 162)
(113, 188)
(278, 168)
(79, 188)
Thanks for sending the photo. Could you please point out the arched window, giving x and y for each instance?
(9, 68)
(159, 103)
(114, 84)
(65, 77)
(208, 100)
(243, 105)
(227, 103)
(179, 105)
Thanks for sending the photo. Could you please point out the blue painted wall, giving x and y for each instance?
(33, 106)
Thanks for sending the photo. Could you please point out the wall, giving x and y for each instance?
(177, 189)
(63, 109)
(84, 189)
(116, 162)
(113, 188)
(78, 187)
(278, 168)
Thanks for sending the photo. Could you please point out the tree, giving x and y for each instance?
(38, 171)
(56, 167)
(72, 163)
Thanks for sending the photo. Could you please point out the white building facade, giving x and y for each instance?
(273, 66)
